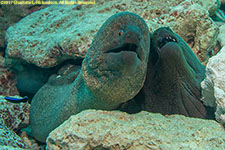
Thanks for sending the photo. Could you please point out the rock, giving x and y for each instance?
(193, 23)
(113, 130)
(9, 140)
(221, 35)
(30, 142)
(45, 45)
(15, 115)
(10, 14)
(213, 86)
(7, 81)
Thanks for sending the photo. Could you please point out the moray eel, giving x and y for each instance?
(173, 79)
(112, 72)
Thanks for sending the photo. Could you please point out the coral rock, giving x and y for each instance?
(30, 142)
(7, 81)
(193, 23)
(9, 140)
(38, 38)
(15, 116)
(214, 85)
(10, 14)
(115, 130)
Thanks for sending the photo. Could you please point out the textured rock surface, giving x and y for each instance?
(10, 14)
(93, 129)
(192, 22)
(14, 115)
(7, 81)
(30, 142)
(214, 85)
(221, 36)
(9, 140)
(38, 38)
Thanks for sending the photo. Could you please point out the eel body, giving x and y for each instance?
(112, 72)
(173, 79)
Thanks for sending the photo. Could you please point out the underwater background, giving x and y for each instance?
(67, 82)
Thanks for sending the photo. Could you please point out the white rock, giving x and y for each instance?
(213, 86)
(221, 36)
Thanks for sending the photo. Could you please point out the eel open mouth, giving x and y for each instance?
(160, 38)
(125, 47)
(166, 39)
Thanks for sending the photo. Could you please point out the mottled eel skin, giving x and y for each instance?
(173, 78)
(112, 72)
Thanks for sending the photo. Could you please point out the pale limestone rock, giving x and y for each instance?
(213, 86)
(221, 36)
(115, 130)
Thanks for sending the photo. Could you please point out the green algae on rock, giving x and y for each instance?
(113, 71)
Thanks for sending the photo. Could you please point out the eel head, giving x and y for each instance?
(118, 55)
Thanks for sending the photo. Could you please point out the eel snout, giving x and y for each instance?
(129, 40)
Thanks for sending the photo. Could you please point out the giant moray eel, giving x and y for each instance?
(173, 78)
(112, 72)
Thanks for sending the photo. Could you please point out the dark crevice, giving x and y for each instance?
(31, 78)
(154, 55)
(222, 7)
(2, 51)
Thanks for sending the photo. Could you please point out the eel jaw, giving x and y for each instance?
(162, 41)
(161, 38)
(128, 47)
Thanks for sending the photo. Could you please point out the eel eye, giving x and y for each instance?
(120, 32)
